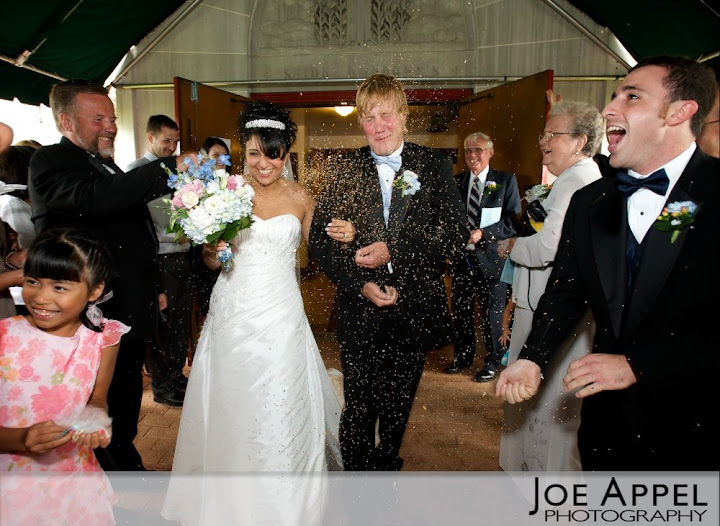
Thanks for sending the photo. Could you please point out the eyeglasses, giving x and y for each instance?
(548, 136)
(476, 151)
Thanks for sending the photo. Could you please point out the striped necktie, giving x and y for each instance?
(474, 203)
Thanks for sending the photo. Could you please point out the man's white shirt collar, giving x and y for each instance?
(482, 176)
(644, 206)
(673, 169)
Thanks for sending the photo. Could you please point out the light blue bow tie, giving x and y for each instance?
(393, 161)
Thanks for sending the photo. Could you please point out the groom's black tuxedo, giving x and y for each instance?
(383, 349)
(666, 327)
(423, 230)
(71, 188)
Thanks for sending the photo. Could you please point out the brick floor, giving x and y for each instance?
(454, 425)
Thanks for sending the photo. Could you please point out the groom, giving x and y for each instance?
(649, 387)
(392, 304)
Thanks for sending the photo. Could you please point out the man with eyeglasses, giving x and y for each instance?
(492, 202)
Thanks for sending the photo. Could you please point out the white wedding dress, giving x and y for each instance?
(260, 419)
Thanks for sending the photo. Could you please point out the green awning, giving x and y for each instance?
(88, 38)
(659, 27)
(72, 39)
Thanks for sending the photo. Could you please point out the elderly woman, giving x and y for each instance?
(542, 435)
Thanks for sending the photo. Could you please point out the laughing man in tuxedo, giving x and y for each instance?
(492, 202)
(75, 183)
(392, 305)
(649, 387)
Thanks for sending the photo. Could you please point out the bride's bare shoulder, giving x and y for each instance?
(298, 191)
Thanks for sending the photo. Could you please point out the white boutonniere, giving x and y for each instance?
(408, 182)
(676, 216)
(491, 187)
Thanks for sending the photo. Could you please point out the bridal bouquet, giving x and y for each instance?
(209, 204)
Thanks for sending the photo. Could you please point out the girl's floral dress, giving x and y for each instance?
(47, 377)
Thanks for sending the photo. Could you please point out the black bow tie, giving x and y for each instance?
(658, 182)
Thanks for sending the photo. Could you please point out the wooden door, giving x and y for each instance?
(513, 115)
(202, 111)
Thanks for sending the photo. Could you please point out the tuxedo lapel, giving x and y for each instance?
(399, 204)
(95, 162)
(658, 260)
(398, 209)
(608, 236)
(373, 194)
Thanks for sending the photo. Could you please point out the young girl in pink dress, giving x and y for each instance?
(55, 368)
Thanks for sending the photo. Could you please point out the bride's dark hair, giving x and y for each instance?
(273, 142)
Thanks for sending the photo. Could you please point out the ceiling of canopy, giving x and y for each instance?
(88, 38)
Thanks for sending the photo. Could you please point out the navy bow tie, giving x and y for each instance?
(393, 161)
(658, 182)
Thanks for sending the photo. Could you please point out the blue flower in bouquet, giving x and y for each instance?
(408, 182)
(209, 204)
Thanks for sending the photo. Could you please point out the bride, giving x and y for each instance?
(259, 425)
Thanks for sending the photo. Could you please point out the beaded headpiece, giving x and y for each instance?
(265, 123)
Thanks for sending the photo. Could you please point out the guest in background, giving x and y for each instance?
(15, 202)
(204, 277)
(492, 202)
(76, 183)
(16, 228)
(215, 147)
(542, 435)
(169, 343)
(163, 136)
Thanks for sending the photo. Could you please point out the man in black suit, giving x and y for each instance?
(649, 387)
(391, 298)
(492, 202)
(75, 183)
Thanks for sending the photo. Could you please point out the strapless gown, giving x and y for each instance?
(259, 424)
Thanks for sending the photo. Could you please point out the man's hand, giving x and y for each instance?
(188, 158)
(594, 373)
(475, 236)
(373, 256)
(378, 296)
(505, 246)
(519, 382)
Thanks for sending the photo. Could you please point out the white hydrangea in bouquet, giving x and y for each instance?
(209, 204)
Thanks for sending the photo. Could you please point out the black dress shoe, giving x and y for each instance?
(168, 399)
(486, 374)
(454, 368)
